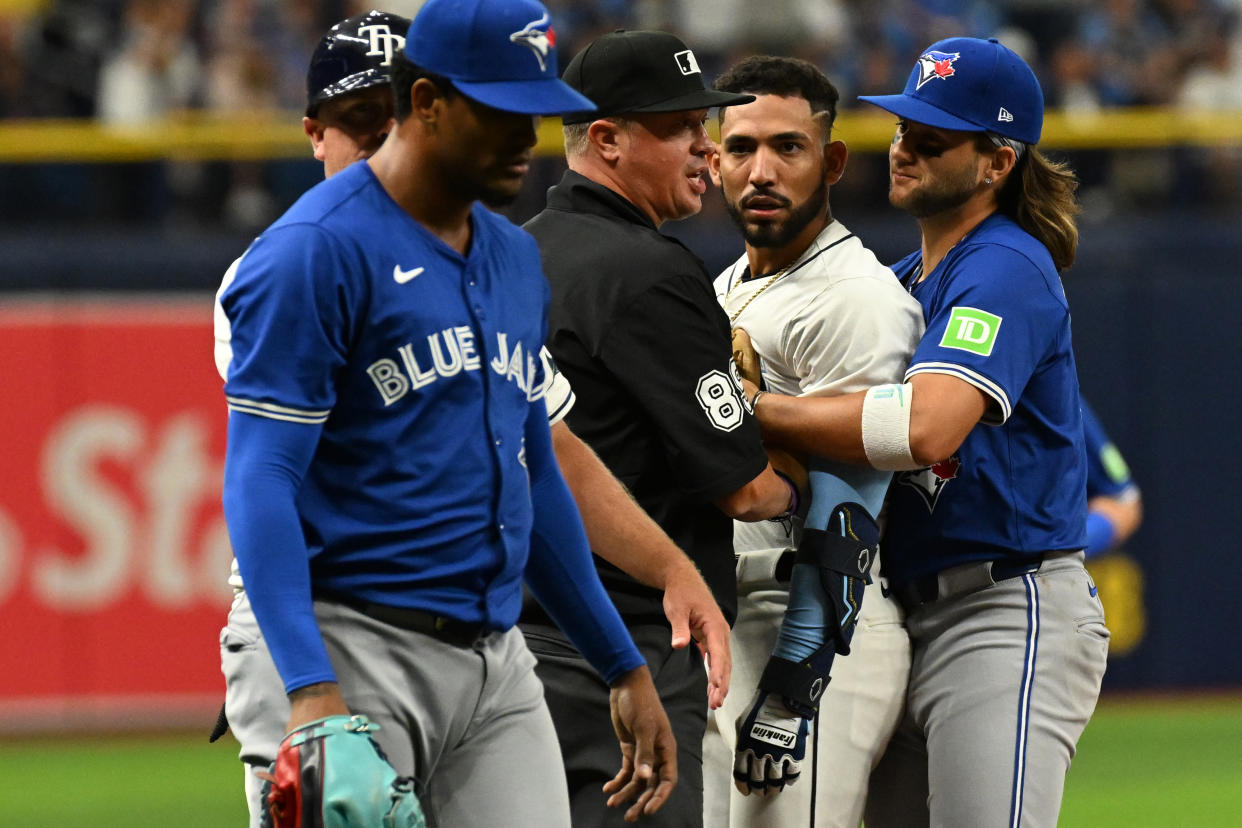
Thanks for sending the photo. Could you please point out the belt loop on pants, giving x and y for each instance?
(441, 627)
(967, 578)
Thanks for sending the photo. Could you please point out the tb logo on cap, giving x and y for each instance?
(936, 65)
(383, 42)
(539, 40)
(686, 62)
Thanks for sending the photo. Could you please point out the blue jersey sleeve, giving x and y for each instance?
(287, 325)
(996, 321)
(264, 464)
(1107, 476)
(1107, 472)
(561, 572)
(289, 312)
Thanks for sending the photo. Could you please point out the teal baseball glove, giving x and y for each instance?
(331, 773)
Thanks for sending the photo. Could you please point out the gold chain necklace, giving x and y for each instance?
(778, 274)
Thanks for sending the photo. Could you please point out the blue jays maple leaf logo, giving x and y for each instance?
(934, 65)
(930, 481)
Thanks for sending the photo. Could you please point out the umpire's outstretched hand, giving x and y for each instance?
(693, 613)
(648, 748)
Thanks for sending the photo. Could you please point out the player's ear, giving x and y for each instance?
(1001, 162)
(713, 159)
(835, 156)
(313, 127)
(425, 97)
(713, 164)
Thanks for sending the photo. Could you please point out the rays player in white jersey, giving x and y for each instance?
(349, 113)
(387, 422)
(986, 522)
(825, 318)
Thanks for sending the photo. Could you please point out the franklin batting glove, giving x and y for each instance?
(771, 744)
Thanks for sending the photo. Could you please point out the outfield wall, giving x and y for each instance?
(113, 550)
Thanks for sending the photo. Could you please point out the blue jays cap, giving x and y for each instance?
(501, 53)
(972, 85)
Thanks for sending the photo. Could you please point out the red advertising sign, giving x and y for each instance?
(113, 550)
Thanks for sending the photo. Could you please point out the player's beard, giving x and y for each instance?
(778, 233)
(946, 194)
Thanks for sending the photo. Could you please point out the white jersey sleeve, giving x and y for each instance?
(220, 323)
(224, 355)
(558, 396)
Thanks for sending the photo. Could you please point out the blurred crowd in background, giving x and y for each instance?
(134, 62)
(126, 61)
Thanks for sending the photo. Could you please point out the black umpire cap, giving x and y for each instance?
(355, 54)
(641, 71)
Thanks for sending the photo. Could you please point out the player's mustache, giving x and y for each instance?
(766, 194)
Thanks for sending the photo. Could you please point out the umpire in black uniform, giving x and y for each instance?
(636, 328)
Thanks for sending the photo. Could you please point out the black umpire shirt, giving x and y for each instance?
(636, 328)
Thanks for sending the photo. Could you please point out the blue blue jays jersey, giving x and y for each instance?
(349, 316)
(997, 318)
(1107, 471)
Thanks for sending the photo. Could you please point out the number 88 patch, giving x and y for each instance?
(721, 398)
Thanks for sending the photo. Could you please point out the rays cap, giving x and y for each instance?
(972, 85)
(355, 54)
(641, 71)
(501, 53)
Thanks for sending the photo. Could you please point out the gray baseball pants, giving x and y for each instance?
(468, 723)
(1003, 681)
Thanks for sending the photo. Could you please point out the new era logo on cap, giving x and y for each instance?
(686, 62)
(986, 87)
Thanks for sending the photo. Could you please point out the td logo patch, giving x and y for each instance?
(971, 329)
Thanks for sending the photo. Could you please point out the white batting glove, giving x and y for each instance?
(771, 744)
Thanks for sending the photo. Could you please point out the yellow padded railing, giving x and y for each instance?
(278, 135)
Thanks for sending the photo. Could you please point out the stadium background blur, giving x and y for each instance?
(144, 142)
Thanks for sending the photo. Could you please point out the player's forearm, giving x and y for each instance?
(560, 571)
(1123, 515)
(563, 579)
(828, 427)
(767, 496)
(315, 701)
(264, 464)
(617, 528)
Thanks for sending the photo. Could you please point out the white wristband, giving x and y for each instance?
(886, 427)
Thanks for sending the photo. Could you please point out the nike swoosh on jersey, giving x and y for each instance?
(402, 276)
